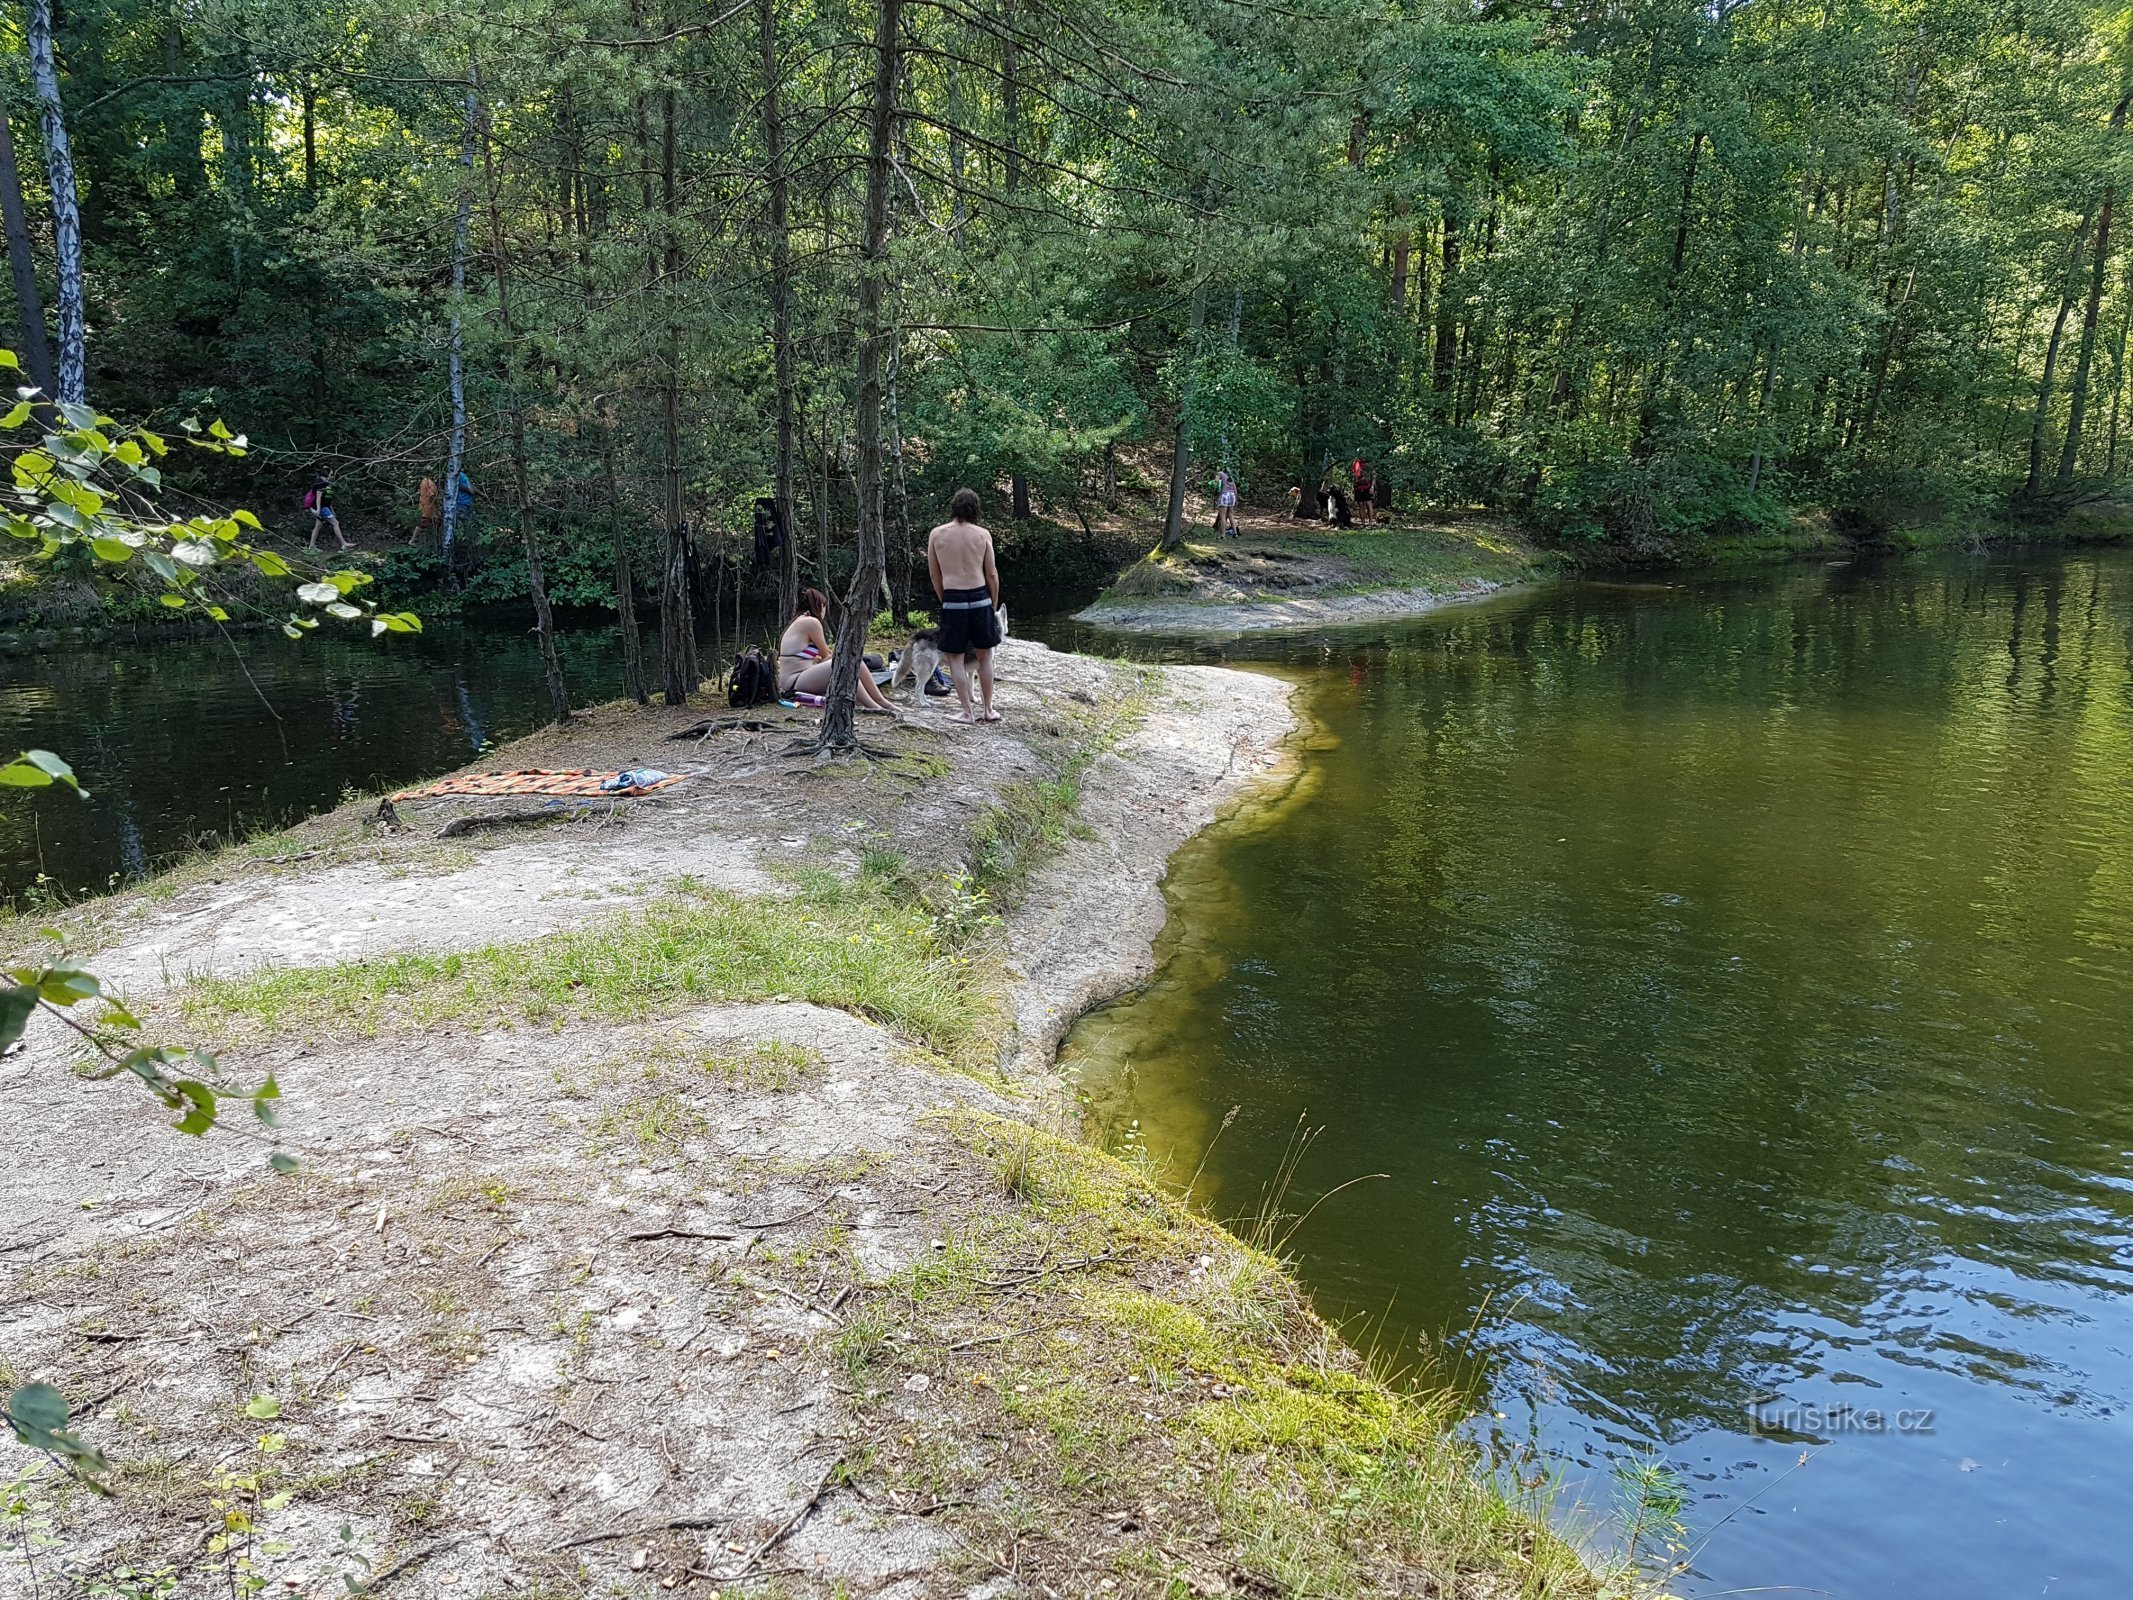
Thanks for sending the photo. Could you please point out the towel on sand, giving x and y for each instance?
(568, 781)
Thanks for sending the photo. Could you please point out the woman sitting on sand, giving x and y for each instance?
(804, 655)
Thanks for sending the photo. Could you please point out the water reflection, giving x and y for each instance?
(175, 740)
(1733, 976)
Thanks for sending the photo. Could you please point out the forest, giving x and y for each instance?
(1633, 274)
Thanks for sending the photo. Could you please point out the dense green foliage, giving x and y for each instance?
(1636, 272)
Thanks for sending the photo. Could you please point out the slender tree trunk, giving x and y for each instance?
(2040, 418)
(455, 462)
(73, 367)
(1181, 449)
(2077, 401)
(521, 492)
(2118, 382)
(677, 613)
(780, 306)
(838, 730)
(36, 343)
(1011, 115)
(633, 680)
(1441, 359)
(1403, 243)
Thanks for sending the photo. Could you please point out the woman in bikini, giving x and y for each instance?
(804, 655)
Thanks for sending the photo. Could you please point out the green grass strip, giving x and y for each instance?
(857, 950)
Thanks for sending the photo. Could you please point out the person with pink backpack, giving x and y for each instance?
(318, 500)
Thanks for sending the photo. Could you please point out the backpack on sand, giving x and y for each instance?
(753, 682)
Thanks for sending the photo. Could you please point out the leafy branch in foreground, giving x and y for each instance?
(187, 1081)
(87, 482)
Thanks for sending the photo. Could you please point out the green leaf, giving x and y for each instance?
(196, 552)
(262, 1407)
(37, 1413)
(9, 361)
(282, 1163)
(17, 416)
(69, 985)
(176, 602)
(317, 594)
(266, 1103)
(110, 549)
(343, 610)
(17, 1001)
(200, 1102)
(246, 517)
(216, 430)
(269, 564)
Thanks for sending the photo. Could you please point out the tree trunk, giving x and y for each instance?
(1441, 359)
(73, 367)
(36, 344)
(780, 306)
(633, 682)
(2077, 401)
(2040, 418)
(1180, 450)
(1011, 116)
(521, 494)
(1403, 243)
(677, 613)
(838, 731)
(455, 462)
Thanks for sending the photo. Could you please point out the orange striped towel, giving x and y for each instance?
(568, 781)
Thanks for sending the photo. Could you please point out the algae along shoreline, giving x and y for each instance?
(688, 1202)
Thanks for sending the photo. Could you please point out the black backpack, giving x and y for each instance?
(753, 681)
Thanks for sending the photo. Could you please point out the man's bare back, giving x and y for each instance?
(961, 556)
(966, 581)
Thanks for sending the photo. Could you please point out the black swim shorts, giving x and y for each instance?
(968, 622)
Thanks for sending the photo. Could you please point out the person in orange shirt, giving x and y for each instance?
(429, 509)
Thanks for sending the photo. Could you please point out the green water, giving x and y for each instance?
(1732, 979)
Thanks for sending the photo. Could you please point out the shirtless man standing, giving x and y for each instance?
(967, 581)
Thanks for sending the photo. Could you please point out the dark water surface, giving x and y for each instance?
(172, 739)
(1734, 978)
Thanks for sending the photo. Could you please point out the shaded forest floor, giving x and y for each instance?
(687, 1204)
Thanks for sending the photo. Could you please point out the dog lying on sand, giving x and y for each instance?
(917, 662)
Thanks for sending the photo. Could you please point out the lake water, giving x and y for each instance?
(1732, 980)
(177, 738)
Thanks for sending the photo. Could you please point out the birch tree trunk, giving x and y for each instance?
(838, 731)
(73, 369)
(456, 458)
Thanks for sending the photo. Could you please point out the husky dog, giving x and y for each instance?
(917, 662)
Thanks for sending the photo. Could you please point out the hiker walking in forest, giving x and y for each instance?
(1225, 503)
(966, 581)
(318, 500)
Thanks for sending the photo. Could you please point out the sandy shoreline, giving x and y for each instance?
(1230, 618)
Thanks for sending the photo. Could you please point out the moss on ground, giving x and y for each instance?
(1163, 1408)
